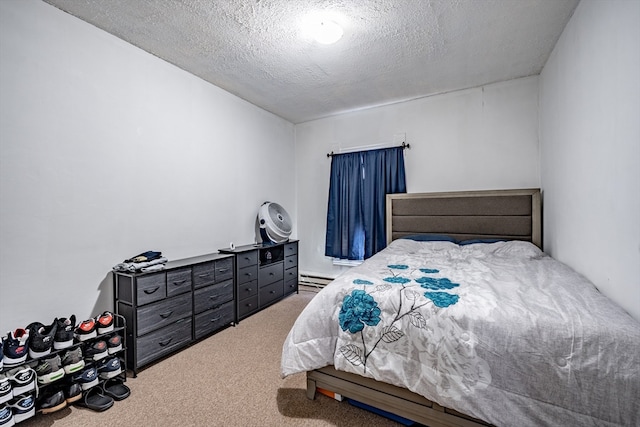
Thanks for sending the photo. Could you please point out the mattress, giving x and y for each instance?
(498, 331)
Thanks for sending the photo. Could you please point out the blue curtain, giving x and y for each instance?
(356, 209)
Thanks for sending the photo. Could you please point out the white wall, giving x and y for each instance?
(107, 151)
(590, 148)
(476, 139)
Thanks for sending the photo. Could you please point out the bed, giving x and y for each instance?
(463, 321)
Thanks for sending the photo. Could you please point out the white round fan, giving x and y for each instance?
(275, 223)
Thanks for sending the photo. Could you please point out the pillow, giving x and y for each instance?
(427, 237)
(472, 241)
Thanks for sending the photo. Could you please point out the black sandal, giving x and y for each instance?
(116, 389)
(95, 400)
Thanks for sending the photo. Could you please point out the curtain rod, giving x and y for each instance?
(404, 145)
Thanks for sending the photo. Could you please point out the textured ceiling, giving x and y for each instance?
(391, 50)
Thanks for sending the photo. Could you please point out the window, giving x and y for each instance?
(358, 187)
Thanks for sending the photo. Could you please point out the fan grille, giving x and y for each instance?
(275, 222)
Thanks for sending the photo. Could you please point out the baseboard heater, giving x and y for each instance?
(314, 280)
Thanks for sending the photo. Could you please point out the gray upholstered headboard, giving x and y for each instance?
(507, 214)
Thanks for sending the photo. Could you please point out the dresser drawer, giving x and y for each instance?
(248, 289)
(178, 281)
(271, 293)
(214, 319)
(291, 274)
(212, 296)
(204, 274)
(163, 341)
(290, 249)
(151, 287)
(270, 274)
(247, 306)
(290, 261)
(245, 259)
(224, 269)
(248, 274)
(290, 286)
(159, 314)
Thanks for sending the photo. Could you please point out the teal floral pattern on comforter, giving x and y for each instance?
(360, 309)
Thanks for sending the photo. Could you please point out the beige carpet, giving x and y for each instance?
(229, 379)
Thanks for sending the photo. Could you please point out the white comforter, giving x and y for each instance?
(498, 331)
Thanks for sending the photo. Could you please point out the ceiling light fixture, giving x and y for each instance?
(327, 32)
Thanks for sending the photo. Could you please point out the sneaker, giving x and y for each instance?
(6, 416)
(114, 344)
(72, 392)
(110, 368)
(49, 370)
(72, 360)
(51, 400)
(87, 378)
(15, 347)
(23, 407)
(105, 322)
(86, 330)
(41, 338)
(6, 390)
(23, 379)
(64, 332)
(96, 351)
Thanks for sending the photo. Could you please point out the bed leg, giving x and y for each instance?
(311, 389)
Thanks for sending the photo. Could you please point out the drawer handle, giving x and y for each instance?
(165, 343)
(249, 305)
(248, 274)
(215, 319)
(179, 282)
(272, 292)
(150, 291)
(271, 274)
(247, 258)
(204, 275)
(166, 314)
(214, 297)
(223, 270)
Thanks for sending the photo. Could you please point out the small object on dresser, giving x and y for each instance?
(145, 262)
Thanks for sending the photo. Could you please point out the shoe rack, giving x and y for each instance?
(36, 397)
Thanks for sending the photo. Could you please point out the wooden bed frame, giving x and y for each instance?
(505, 214)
